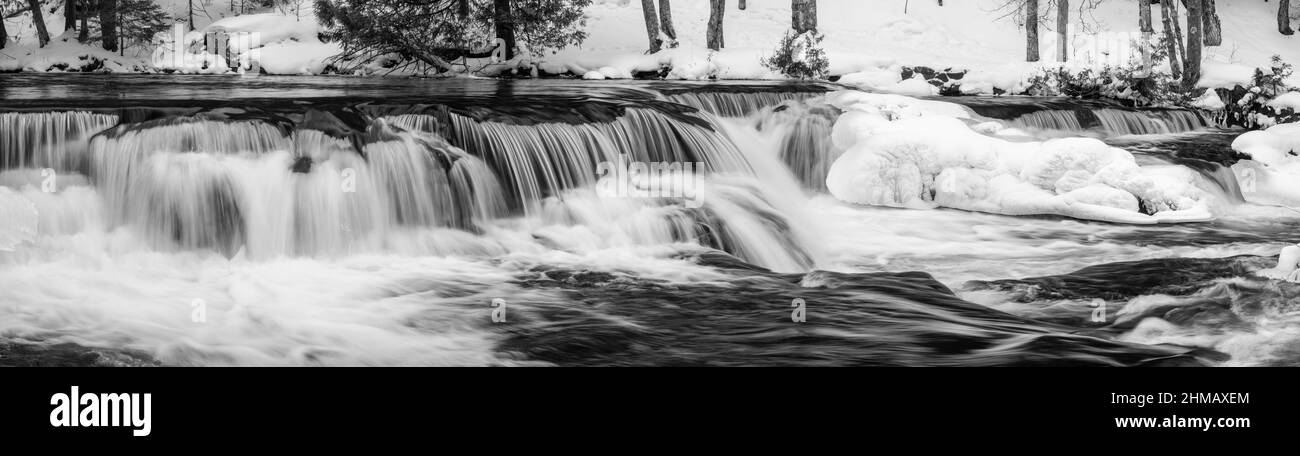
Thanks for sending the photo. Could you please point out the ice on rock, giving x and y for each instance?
(904, 152)
(1269, 176)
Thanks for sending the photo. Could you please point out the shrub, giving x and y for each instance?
(800, 56)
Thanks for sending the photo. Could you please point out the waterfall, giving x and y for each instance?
(267, 188)
(537, 161)
(736, 104)
(48, 139)
(1114, 121)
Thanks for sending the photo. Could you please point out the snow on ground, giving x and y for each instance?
(909, 153)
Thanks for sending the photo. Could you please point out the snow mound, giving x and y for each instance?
(1289, 100)
(909, 153)
(1269, 176)
(67, 56)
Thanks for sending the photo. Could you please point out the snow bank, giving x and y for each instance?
(68, 56)
(1216, 75)
(909, 153)
(1289, 100)
(1270, 175)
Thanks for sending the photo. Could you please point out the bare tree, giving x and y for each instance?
(651, 24)
(1213, 30)
(1192, 63)
(804, 15)
(1062, 30)
(1169, 16)
(1031, 31)
(1284, 17)
(716, 9)
(666, 21)
(42, 35)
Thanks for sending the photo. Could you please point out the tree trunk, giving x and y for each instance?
(716, 8)
(1144, 16)
(504, 22)
(1284, 17)
(1031, 31)
(1212, 30)
(190, 22)
(651, 25)
(742, 5)
(69, 15)
(4, 34)
(1195, 23)
(804, 15)
(1062, 30)
(83, 35)
(108, 24)
(462, 8)
(1178, 31)
(1168, 17)
(38, 18)
(1148, 29)
(666, 21)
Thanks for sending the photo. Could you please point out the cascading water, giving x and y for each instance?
(1114, 121)
(370, 234)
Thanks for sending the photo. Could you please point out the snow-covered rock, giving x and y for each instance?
(910, 153)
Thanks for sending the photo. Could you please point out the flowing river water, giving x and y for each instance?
(345, 221)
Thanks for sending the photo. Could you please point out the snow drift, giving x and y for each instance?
(909, 153)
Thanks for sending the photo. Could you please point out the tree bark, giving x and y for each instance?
(1284, 17)
(1178, 31)
(69, 15)
(38, 18)
(716, 8)
(666, 21)
(651, 25)
(4, 34)
(462, 8)
(1195, 24)
(108, 24)
(1212, 30)
(1031, 31)
(1144, 16)
(804, 17)
(1148, 29)
(1167, 17)
(504, 22)
(1062, 30)
(83, 34)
